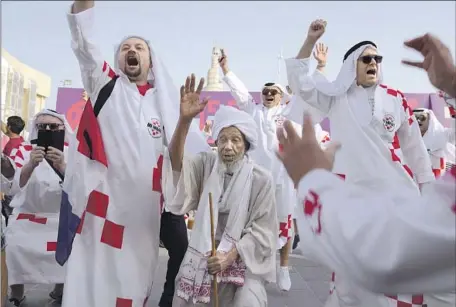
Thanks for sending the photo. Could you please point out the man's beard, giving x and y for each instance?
(132, 75)
(232, 161)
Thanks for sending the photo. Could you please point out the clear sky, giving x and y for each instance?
(253, 33)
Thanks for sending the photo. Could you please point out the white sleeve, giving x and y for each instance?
(240, 93)
(6, 185)
(303, 86)
(412, 145)
(451, 133)
(95, 71)
(10, 186)
(386, 242)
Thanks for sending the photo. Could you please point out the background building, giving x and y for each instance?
(213, 81)
(23, 90)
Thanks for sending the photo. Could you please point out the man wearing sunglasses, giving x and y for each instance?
(37, 189)
(381, 141)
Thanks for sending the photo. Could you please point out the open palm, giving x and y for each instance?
(321, 53)
(190, 103)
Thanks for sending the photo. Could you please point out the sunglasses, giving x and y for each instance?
(273, 91)
(367, 59)
(52, 126)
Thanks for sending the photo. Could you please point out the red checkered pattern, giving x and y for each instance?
(406, 300)
(439, 171)
(32, 218)
(51, 246)
(397, 156)
(21, 154)
(408, 111)
(124, 302)
(312, 208)
(111, 72)
(284, 228)
(97, 205)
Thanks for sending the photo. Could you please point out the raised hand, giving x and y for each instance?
(190, 104)
(223, 59)
(316, 29)
(320, 54)
(300, 155)
(438, 62)
(208, 127)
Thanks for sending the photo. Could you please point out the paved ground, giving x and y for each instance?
(310, 286)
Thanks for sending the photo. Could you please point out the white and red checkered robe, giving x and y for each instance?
(439, 142)
(374, 246)
(268, 120)
(381, 148)
(112, 201)
(33, 225)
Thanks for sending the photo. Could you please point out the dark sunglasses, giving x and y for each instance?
(52, 126)
(273, 91)
(367, 59)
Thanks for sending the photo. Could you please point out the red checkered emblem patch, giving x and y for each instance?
(155, 128)
(279, 120)
(389, 122)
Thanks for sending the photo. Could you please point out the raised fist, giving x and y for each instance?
(223, 59)
(316, 29)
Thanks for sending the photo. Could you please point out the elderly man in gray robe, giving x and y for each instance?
(245, 219)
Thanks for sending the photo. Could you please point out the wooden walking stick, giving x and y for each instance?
(214, 251)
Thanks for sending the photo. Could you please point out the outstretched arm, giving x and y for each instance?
(95, 71)
(412, 145)
(301, 83)
(241, 94)
(190, 106)
(395, 244)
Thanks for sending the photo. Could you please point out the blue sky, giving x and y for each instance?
(253, 33)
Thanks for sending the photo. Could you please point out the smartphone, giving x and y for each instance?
(54, 139)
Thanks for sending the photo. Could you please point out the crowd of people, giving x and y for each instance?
(86, 211)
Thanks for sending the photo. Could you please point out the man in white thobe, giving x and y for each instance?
(439, 141)
(268, 115)
(384, 241)
(113, 185)
(33, 224)
(244, 215)
(381, 142)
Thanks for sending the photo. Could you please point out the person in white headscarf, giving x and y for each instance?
(33, 224)
(268, 115)
(439, 140)
(381, 141)
(126, 145)
(244, 215)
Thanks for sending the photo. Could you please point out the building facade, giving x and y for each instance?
(24, 90)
